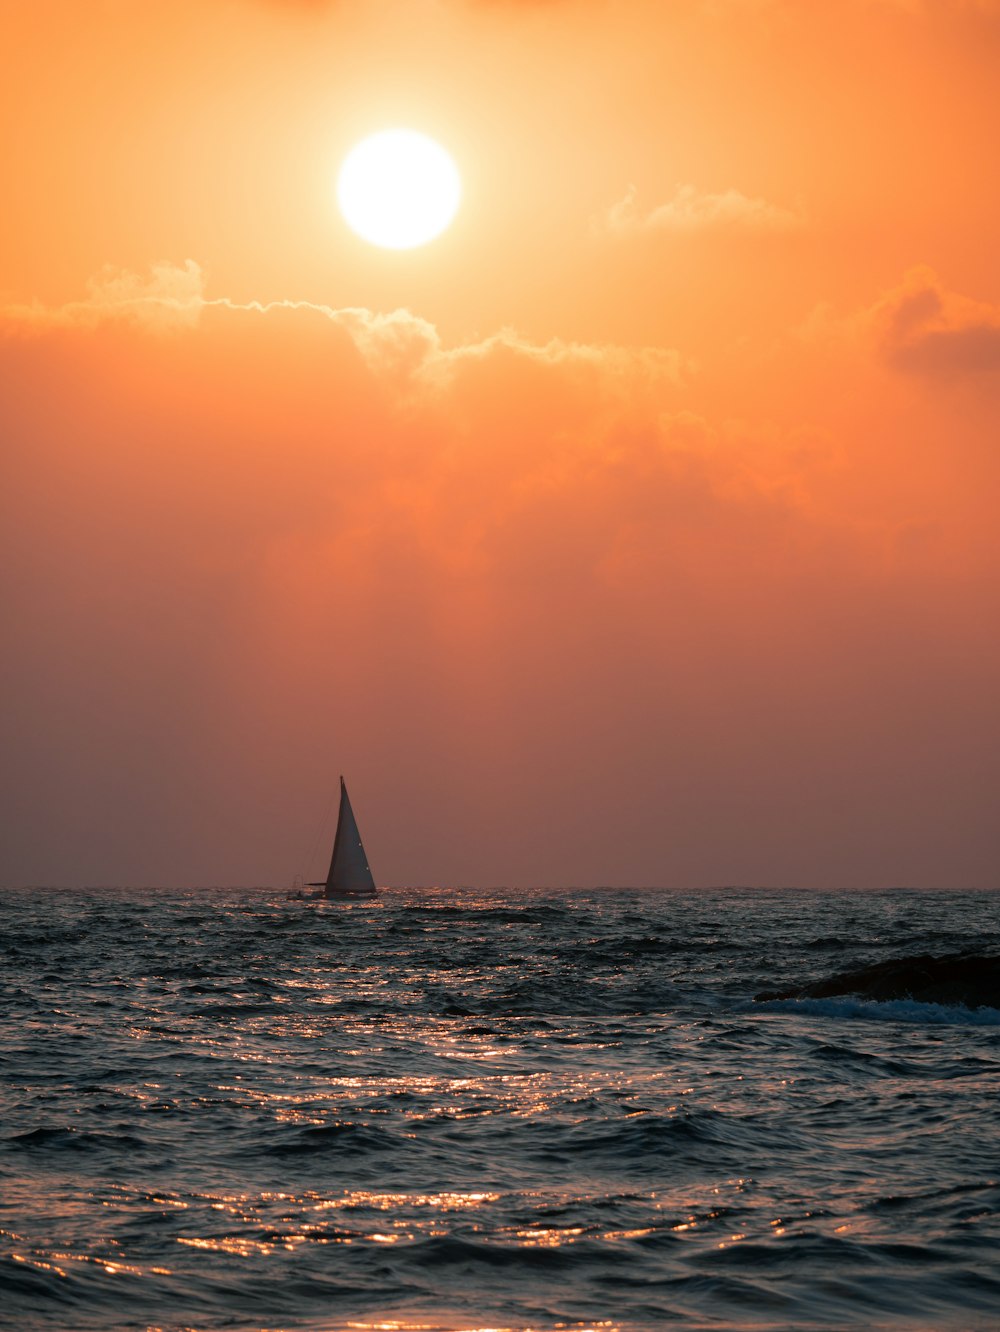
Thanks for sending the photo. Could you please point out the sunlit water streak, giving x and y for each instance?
(223, 1109)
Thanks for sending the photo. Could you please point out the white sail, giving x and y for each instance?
(349, 873)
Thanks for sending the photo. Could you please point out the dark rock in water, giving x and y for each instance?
(961, 978)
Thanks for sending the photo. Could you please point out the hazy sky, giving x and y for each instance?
(640, 529)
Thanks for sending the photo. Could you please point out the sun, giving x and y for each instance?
(398, 189)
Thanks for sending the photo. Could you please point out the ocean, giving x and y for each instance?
(221, 1109)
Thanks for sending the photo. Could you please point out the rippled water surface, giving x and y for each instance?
(222, 1109)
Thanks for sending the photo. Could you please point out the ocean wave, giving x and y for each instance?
(887, 1010)
(971, 980)
(463, 1252)
(643, 1141)
(493, 1110)
(342, 1136)
(73, 1140)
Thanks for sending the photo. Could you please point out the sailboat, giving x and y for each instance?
(349, 875)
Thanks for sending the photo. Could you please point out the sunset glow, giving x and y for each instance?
(662, 482)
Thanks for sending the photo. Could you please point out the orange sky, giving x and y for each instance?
(640, 529)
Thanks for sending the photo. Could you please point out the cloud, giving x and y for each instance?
(317, 6)
(398, 344)
(919, 327)
(692, 210)
(169, 298)
(988, 9)
(301, 6)
(485, 577)
(406, 346)
(923, 328)
(916, 8)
